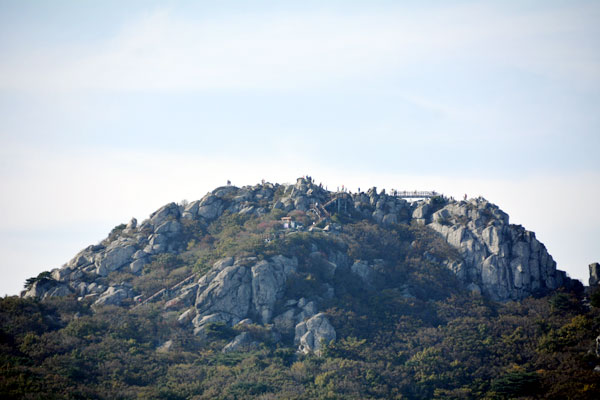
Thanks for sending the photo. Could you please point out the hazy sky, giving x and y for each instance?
(110, 109)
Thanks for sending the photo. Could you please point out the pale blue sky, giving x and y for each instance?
(110, 109)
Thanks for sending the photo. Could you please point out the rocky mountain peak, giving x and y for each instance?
(488, 255)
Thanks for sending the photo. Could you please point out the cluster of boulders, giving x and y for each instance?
(244, 291)
(236, 289)
(301, 196)
(131, 247)
(381, 207)
(114, 295)
(501, 260)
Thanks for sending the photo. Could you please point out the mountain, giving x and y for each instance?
(504, 261)
(293, 291)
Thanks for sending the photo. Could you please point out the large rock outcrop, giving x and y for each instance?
(505, 260)
(243, 288)
(268, 284)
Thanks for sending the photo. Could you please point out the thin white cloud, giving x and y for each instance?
(166, 51)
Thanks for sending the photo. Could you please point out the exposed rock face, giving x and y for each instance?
(505, 260)
(237, 290)
(310, 334)
(168, 228)
(268, 284)
(186, 316)
(185, 298)
(594, 274)
(296, 311)
(210, 207)
(137, 265)
(114, 259)
(229, 293)
(166, 212)
(200, 322)
(113, 296)
(46, 289)
(381, 207)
